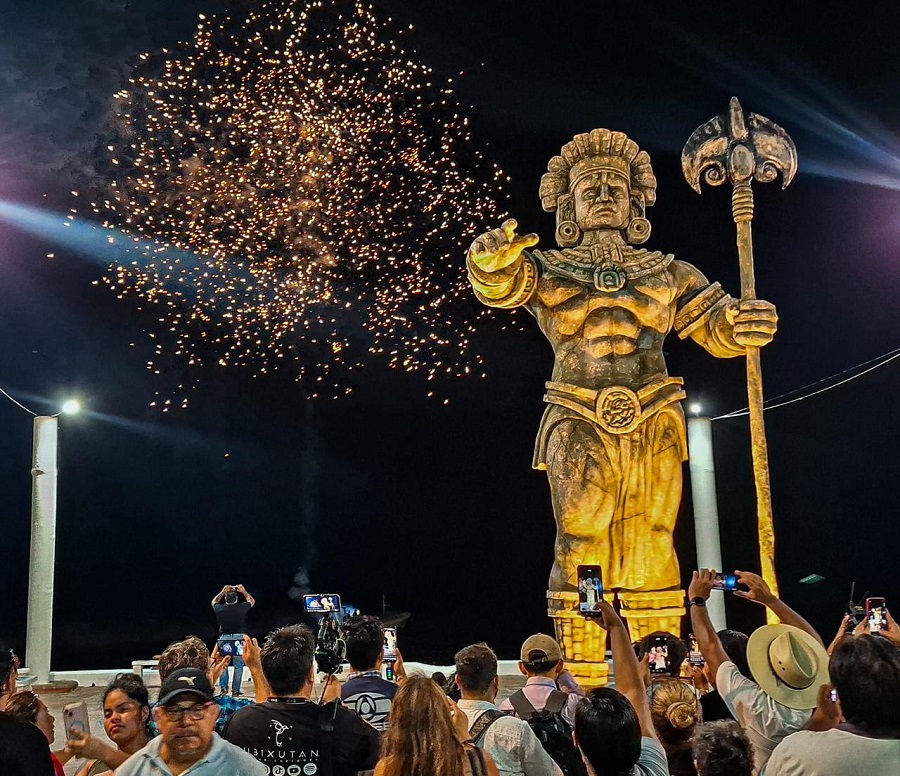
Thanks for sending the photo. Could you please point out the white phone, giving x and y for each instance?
(75, 717)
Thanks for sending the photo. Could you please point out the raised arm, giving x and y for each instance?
(82, 744)
(760, 593)
(250, 599)
(707, 640)
(253, 661)
(499, 270)
(625, 665)
(218, 598)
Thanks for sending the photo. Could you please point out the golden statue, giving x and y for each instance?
(612, 438)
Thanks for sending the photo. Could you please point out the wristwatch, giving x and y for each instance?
(697, 601)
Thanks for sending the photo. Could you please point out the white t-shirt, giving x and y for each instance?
(834, 753)
(765, 721)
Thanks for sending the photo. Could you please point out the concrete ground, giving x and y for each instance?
(92, 696)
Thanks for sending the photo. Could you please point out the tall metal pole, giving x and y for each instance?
(39, 634)
(706, 510)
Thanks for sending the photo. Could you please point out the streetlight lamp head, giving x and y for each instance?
(71, 407)
(695, 408)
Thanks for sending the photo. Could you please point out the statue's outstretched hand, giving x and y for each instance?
(500, 248)
(755, 322)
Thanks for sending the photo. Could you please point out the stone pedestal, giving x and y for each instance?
(654, 610)
(584, 643)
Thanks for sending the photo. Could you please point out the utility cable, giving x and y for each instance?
(883, 359)
(15, 401)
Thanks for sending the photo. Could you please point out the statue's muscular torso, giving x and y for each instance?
(601, 338)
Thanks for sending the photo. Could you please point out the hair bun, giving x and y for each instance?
(681, 715)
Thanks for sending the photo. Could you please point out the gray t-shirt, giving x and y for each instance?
(222, 759)
(652, 761)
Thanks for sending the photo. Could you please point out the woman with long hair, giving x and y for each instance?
(675, 711)
(126, 712)
(429, 736)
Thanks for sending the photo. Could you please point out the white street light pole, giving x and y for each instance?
(39, 628)
(706, 511)
(39, 632)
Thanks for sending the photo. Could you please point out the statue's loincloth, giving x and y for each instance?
(611, 410)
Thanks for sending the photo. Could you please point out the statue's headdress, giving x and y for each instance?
(598, 150)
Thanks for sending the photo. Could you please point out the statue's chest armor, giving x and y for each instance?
(567, 306)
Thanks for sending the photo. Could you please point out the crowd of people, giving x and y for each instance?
(776, 702)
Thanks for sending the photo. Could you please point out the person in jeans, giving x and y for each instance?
(231, 607)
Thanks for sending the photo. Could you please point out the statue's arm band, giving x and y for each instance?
(693, 313)
(497, 277)
(512, 292)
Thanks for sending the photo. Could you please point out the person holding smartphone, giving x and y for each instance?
(767, 708)
(613, 727)
(231, 607)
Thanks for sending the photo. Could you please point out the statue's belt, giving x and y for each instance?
(616, 409)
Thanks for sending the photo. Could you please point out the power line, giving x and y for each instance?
(883, 359)
(17, 402)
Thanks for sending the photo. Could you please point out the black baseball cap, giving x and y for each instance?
(185, 681)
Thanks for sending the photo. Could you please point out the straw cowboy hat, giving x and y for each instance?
(788, 664)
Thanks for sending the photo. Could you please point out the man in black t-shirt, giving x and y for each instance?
(289, 732)
(231, 607)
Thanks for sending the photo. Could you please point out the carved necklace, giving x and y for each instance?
(607, 267)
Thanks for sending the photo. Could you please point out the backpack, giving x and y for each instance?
(552, 730)
(484, 721)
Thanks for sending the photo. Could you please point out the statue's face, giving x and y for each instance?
(602, 201)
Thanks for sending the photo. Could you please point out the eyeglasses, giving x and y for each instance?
(196, 712)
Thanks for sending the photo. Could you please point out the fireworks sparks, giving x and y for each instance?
(318, 188)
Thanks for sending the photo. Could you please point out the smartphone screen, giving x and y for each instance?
(390, 645)
(590, 589)
(322, 603)
(695, 657)
(876, 611)
(659, 655)
(389, 671)
(75, 717)
(231, 647)
(728, 582)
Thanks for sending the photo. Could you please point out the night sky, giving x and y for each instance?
(388, 492)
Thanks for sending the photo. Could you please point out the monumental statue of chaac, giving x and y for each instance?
(612, 438)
